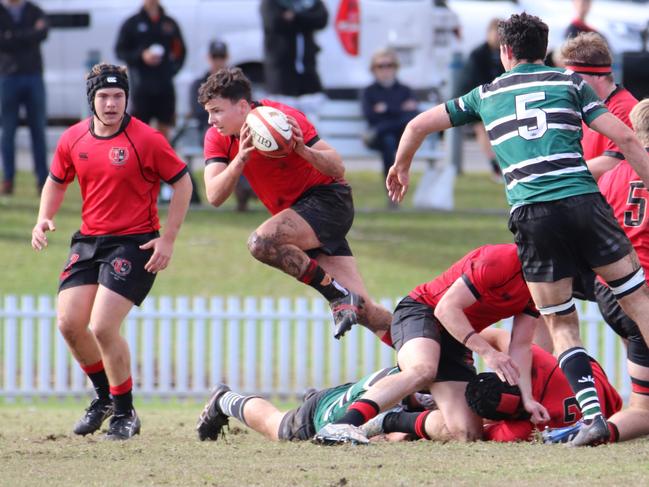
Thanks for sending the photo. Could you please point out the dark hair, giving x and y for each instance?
(491, 398)
(105, 75)
(229, 83)
(527, 35)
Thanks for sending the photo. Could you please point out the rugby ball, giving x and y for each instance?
(272, 135)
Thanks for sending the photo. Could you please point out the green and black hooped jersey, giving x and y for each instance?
(334, 403)
(533, 115)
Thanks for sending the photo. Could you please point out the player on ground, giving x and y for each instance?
(119, 163)
(435, 329)
(493, 399)
(310, 202)
(561, 223)
(318, 409)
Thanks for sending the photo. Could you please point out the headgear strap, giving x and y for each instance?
(589, 68)
(109, 78)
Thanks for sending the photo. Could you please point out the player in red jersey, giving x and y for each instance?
(310, 202)
(493, 399)
(119, 163)
(435, 329)
(588, 55)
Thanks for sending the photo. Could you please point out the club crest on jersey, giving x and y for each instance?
(122, 267)
(118, 156)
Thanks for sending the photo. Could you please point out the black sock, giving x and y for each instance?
(406, 422)
(575, 364)
(315, 276)
(97, 375)
(359, 412)
(495, 168)
(123, 403)
(100, 383)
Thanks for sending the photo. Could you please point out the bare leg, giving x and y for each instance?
(345, 269)
(263, 417)
(418, 360)
(108, 312)
(74, 306)
(633, 421)
(461, 423)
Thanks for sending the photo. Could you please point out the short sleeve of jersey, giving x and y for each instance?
(591, 106)
(167, 163)
(464, 109)
(62, 169)
(215, 148)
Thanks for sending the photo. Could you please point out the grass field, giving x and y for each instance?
(395, 250)
(37, 449)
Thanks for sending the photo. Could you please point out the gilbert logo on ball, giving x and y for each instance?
(271, 133)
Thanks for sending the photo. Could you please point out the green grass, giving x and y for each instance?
(395, 250)
(37, 449)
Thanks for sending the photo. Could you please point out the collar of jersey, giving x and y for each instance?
(125, 121)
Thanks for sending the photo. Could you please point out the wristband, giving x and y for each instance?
(468, 335)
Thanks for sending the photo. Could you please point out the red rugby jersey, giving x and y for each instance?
(494, 276)
(551, 388)
(628, 197)
(619, 103)
(278, 182)
(119, 176)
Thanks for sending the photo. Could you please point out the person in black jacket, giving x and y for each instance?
(388, 106)
(23, 26)
(290, 49)
(151, 44)
(482, 66)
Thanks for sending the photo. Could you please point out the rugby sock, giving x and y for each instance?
(387, 339)
(123, 397)
(316, 277)
(404, 422)
(97, 375)
(232, 404)
(614, 433)
(575, 364)
(359, 412)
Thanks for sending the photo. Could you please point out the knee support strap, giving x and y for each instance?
(559, 309)
(627, 284)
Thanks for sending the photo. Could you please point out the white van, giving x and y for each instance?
(83, 32)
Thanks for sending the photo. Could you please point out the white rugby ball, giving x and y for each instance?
(272, 135)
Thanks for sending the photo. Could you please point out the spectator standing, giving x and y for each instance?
(388, 105)
(290, 49)
(151, 44)
(23, 26)
(482, 66)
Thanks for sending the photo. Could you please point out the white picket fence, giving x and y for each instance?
(180, 347)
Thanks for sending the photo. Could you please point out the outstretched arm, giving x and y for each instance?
(428, 122)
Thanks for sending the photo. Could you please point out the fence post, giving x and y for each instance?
(27, 346)
(182, 352)
(267, 346)
(234, 350)
(301, 345)
(147, 383)
(44, 343)
(198, 348)
(250, 360)
(10, 345)
(284, 347)
(318, 349)
(216, 340)
(165, 349)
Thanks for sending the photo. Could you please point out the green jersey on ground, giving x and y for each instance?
(533, 115)
(334, 403)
